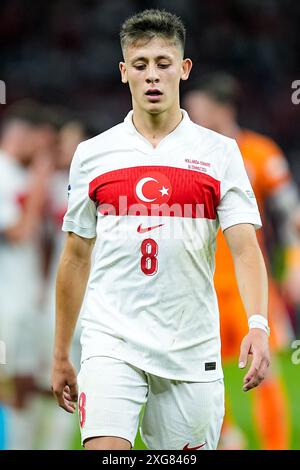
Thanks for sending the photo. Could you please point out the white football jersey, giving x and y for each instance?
(150, 299)
(19, 262)
(20, 272)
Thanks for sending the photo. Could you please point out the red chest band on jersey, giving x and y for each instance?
(155, 190)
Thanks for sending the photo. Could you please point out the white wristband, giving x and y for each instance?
(259, 321)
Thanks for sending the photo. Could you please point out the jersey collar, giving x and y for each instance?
(166, 143)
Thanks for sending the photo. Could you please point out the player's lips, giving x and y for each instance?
(153, 94)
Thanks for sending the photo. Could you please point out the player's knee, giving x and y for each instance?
(107, 443)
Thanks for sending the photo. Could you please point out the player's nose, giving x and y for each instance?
(152, 75)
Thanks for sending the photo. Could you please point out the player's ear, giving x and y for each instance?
(122, 68)
(186, 68)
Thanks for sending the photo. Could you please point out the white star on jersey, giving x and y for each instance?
(164, 191)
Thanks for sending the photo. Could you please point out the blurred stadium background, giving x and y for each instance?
(59, 61)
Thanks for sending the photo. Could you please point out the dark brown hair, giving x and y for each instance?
(220, 86)
(152, 23)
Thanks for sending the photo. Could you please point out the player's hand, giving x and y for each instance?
(64, 384)
(255, 343)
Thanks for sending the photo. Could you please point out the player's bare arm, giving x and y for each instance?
(252, 281)
(72, 277)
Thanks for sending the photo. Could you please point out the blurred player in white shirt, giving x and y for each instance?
(154, 190)
(22, 182)
(58, 429)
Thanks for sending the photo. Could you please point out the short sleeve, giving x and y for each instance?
(81, 215)
(237, 200)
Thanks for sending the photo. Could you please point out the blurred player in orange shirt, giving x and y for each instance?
(213, 103)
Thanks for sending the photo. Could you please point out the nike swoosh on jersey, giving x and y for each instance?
(140, 229)
(186, 447)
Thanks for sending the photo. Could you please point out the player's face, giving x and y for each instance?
(153, 71)
(203, 110)
(23, 135)
(70, 137)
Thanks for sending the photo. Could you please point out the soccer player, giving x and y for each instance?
(154, 190)
(23, 178)
(58, 427)
(213, 102)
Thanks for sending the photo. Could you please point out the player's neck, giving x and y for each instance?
(154, 127)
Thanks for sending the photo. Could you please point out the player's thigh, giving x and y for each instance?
(182, 415)
(111, 395)
(107, 443)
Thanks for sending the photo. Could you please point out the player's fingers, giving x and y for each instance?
(254, 368)
(243, 359)
(69, 406)
(73, 391)
(251, 378)
(67, 391)
(66, 404)
(251, 384)
(258, 377)
(62, 401)
(68, 399)
(263, 370)
(67, 396)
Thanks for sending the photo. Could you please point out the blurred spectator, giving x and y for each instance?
(24, 173)
(56, 428)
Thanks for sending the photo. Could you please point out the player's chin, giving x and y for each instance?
(155, 108)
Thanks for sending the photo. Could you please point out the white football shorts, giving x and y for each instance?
(18, 331)
(178, 415)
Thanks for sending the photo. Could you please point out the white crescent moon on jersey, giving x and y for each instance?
(139, 189)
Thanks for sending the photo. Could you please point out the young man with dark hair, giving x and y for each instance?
(154, 190)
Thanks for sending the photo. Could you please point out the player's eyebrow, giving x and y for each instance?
(145, 59)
